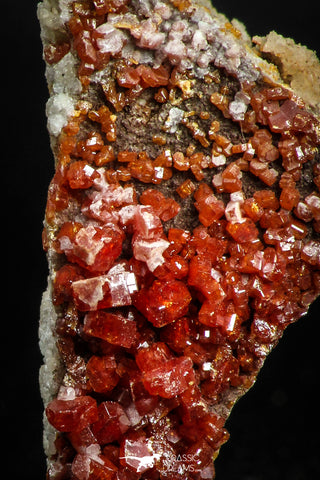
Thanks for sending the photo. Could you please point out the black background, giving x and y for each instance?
(275, 428)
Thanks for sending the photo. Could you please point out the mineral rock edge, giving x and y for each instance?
(181, 228)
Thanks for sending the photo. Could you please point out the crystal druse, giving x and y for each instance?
(182, 232)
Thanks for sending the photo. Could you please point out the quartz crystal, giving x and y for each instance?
(182, 231)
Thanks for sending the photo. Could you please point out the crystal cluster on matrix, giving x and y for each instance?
(162, 324)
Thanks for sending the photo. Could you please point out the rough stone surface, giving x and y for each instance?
(182, 229)
(298, 65)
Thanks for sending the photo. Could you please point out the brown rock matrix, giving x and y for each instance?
(182, 229)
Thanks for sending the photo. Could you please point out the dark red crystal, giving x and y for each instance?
(163, 302)
(112, 327)
(102, 373)
(112, 423)
(72, 415)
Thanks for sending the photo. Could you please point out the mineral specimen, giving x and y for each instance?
(182, 231)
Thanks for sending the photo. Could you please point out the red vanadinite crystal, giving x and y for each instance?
(53, 53)
(85, 467)
(112, 423)
(243, 232)
(63, 282)
(209, 207)
(178, 263)
(171, 378)
(72, 415)
(93, 247)
(81, 175)
(136, 453)
(102, 373)
(113, 327)
(165, 208)
(163, 302)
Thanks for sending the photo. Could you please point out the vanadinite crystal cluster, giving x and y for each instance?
(181, 228)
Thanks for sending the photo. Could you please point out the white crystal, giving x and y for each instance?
(122, 284)
(150, 252)
(146, 222)
(237, 109)
(237, 196)
(233, 212)
(66, 393)
(59, 109)
(112, 40)
(173, 120)
(86, 246)
(199, 40)
(90, 290)
(60, 74)
(127, 213)
(218, 160)
(176, 50)
(149, 36)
